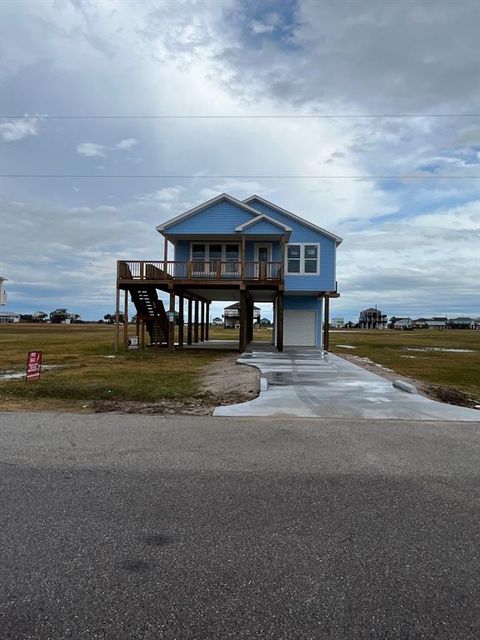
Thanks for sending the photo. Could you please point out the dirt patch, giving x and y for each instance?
(432, 391)
(191, 407)
(227, 382)
(223, 382)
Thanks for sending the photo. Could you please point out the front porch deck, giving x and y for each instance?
(195, 272)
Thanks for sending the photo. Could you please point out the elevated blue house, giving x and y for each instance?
(247, 251)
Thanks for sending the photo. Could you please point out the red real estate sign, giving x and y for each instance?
(34, 365)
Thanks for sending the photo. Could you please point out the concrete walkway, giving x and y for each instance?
(308, 383)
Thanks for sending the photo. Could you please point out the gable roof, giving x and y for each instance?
(259, 218)
(289, 214)
(191, 212)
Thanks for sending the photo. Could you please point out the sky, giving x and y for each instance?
(367, 112)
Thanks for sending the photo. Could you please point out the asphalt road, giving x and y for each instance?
(131, 527)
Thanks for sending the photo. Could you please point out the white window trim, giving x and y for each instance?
(302, 258)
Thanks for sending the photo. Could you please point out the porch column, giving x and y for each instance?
(195, 323)
(125, 321)
(242, 342)
(207, 323)
(202, 322)
(250, 320)
(165, 257)
(189, 325)
(326, 322)
(181, 320)
(117, 320)
(142, 333)
(171, 324)
(279, 319)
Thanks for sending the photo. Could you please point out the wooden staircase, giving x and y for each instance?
(151, 310)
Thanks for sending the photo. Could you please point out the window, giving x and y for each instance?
(215, 258)
(294, 258)
(303, 259)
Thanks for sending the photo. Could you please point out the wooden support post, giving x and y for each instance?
(189, 322)
(117, 320)
(282, 258)
(242, 342)
(207, 323)
(165, 257)
(326, 324)
(125, 321)
(202, 322)
(171, 324)
(279, 319)
(250, 321)
(181, 320)
(243, 273)
(195, 323)
(142, 339)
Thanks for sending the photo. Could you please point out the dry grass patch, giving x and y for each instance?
(89, 372)
(407, 353)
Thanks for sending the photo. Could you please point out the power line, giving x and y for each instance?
(237, 117)
(237, 177)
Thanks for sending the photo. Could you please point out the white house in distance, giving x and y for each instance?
(8, 317)
(3, 295)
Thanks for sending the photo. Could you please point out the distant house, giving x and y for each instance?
(436, 323)
(338, 323)
(231, 315)
(405, 324)
(372, 319)
(9, 316)
(265, 322)
(3, 295)
(430, 323)
(217, 321)
(462, 323)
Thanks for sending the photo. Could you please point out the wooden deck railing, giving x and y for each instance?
(199, 270)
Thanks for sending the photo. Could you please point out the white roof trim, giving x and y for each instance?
(191, 212)
(337, 239)
(262, 216)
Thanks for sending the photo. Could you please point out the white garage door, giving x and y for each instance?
(299, 328)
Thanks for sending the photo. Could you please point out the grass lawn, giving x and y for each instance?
(220, 333)
(402, 352)
(87, 372)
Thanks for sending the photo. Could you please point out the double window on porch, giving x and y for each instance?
(225, 261)
(220, 260)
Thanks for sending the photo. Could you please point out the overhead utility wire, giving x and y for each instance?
(238, 117)
(238, 177)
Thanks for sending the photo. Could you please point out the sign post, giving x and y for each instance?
(34, 365)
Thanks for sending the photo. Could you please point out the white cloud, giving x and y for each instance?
(127, 143)
(91, 150)
(14, 130)
(258, 27)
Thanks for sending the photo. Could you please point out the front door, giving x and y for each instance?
(263, 257)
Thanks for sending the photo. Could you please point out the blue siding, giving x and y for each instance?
(326, 280)
(220, 218)
(263, 227)
(182, 250)
(307, 303)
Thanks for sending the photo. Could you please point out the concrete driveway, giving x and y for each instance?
(308, 383)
